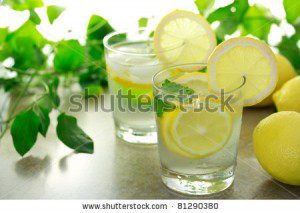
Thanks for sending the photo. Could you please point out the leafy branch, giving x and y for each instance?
(65, 59)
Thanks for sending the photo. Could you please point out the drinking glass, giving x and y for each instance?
(131, 63)
(198, 133)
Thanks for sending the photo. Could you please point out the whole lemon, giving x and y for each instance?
(285, 72)
(277, 146)
(288, 97)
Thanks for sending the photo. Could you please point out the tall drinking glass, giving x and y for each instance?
(198, 130)
(131, 63)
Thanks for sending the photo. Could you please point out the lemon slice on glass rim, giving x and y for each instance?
(184, 37)
(239, 59)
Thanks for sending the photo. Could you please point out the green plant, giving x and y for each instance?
(26, 47)
(255, 20)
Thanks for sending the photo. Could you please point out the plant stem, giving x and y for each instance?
(16, 104)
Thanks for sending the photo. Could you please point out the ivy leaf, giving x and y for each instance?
(24, 131)
(34, 17)
(143, 22)
(292, 10)
(43, 115)
(204, 5)
(21, 5)
(98, 28)
(288, 47)
(72, 135)
(257, 21)
(53, 12)
(69, 56)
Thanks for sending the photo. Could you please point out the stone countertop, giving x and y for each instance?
(118, 170)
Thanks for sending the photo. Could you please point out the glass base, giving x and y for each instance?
(135, 136)
(194, 184)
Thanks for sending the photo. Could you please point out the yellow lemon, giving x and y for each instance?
(288, 97)
(286, 71)
(277, 146)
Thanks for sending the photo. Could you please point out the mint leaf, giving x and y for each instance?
(160, 107)
(34, 17)
(143, 22)
(43, 115)
(292, 10)
(53, 12)
(24, 131)
(69, 56)
(98, 28)
(204, 5)
(258, 21)
(173, 87)
(72, 135)
(22, 5)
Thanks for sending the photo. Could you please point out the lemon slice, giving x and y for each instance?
(184, 37)
(195, 134)
(130, 84)
(195, 80)
(169, 140)
(238, 57)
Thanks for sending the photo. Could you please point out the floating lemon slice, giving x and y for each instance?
(184, 37)
(195, 134)
(248, 57)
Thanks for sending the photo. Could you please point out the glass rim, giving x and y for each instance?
(200, 65)
(111, 48)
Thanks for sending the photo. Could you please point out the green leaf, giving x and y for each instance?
(258, 21)
(69, 56)
(143, 22)
(3, 35)
(43, 115)
(288, 47)
(24, 131)
(22, 5)
(204, 5)
(292, 10)
(229, 17)
(93, 77)
(160, 107)
(98, 28)
(26, 54)
(53, 12)
(173, 87)
(34, 17)
(93, 89)
(72, 135)
(28, 29)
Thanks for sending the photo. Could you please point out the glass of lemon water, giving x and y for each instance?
(198, 130)
(131, 63)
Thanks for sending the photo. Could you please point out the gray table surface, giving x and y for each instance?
(118, 170)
